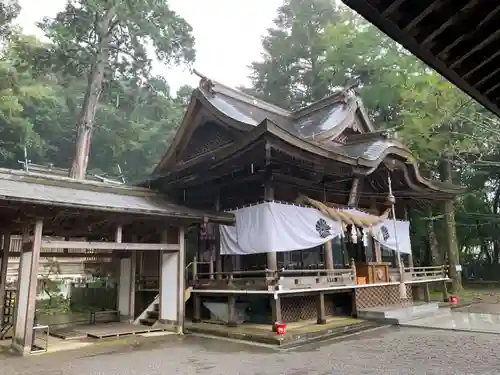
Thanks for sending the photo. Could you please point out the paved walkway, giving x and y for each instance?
(385, 351)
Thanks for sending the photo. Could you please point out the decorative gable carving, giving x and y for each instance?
(206, 138)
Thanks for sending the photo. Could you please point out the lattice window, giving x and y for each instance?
(206, 138)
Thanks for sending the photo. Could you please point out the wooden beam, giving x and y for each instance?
(50, 244)
(481, 64)
(392, 7)
(486, 78)
(425, 12)
(450, 21)
(475, 48)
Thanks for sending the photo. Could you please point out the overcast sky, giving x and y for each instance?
(227, 32)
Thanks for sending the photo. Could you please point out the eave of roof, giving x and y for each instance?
(364, 163)
(39, 189)
(466, 79)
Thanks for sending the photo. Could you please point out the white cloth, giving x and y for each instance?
(386, 235)
(276, 227)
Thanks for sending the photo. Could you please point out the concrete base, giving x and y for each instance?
(401, 314)
(297, 333)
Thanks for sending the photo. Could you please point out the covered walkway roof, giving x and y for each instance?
(25, 194)
(457, 38)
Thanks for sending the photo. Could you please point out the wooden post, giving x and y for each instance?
(5, 247)
(378, 251)
(427, 293)
(172, 283)
(272, 260)
(329, 255)
(197, 308)
(211, 268)
(320, 308)
(218, 257)
(26, 290)
(231, 310)
(275, 310)
(133, 271)
(353, 268)
(354, 193)
(181, 275)
(446, 296)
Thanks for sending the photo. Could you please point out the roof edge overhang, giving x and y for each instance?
(372, 15)
(361, 165)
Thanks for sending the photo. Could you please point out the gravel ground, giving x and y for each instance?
(384, 351)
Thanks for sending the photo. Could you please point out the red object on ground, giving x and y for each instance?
(454, 300)
(280, 328)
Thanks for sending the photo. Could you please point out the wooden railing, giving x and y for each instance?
(426, 273)
(274, 279)
(148, 283)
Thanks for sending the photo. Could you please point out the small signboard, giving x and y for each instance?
(458, 268)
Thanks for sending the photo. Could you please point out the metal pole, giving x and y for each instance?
(392, 200)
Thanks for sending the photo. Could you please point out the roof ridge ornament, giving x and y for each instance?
(205, 84)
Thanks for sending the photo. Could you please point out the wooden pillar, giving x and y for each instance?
(197, 308)
(4, 262)
(427, 292)
(126, 282)
(354, 193)
(218, 256)
(320, 308)
(181, 277)
(329, 255)
(377, 250)
(275, 310)
(272, 260)
(125, 288)
(172, 274)
(26, 290)
(231, 311)
(410, 260)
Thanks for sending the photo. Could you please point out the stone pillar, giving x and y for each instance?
(26, 290)
(4, 262)
(320, 308)
(172, 275)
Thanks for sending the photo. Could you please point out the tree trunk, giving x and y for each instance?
(436, 258)
(450, 227)
(92, 95)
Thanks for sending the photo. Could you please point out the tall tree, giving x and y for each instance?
(112, 38)
(293, 70)
(9, 10)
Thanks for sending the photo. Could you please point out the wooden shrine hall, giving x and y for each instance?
(61, 217)
(236, 153)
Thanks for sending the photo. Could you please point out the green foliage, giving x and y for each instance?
(309, 53)
(108, 41)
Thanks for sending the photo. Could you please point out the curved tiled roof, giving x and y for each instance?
(312, 129)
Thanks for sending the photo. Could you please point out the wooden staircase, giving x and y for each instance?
(152, 313)
(152, 316)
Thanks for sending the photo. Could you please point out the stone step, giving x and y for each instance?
(399, 314)
(147, 322)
